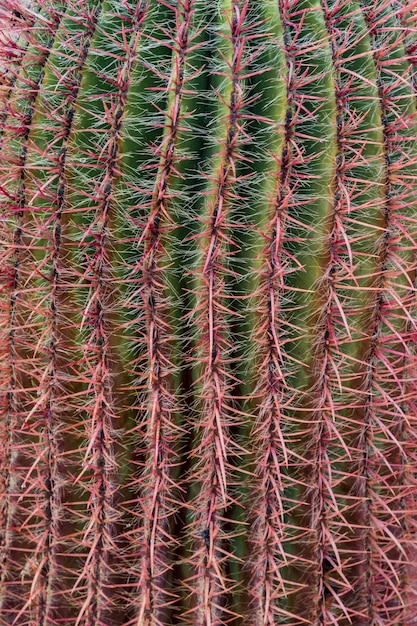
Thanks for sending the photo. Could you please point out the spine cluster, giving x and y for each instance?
(208, 252)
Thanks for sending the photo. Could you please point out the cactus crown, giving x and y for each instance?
(208, 237)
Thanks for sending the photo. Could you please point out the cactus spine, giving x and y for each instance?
(208, 250)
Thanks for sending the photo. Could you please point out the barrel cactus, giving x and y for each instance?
(208, 251)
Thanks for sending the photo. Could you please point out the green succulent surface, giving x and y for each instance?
(208, 329)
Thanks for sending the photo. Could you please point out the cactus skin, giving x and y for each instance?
(208, 251)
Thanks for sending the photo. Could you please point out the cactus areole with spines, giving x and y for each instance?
(208, 315)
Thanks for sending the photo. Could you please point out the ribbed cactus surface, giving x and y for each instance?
(208, 329)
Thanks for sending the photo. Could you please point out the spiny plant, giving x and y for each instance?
(208, 251)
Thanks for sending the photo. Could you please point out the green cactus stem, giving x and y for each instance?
(208, 253)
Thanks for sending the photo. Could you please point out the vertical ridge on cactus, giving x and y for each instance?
(208, 252)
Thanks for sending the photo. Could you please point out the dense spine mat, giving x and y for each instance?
(208, 252)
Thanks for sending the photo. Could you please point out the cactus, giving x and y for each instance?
(208, 252)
